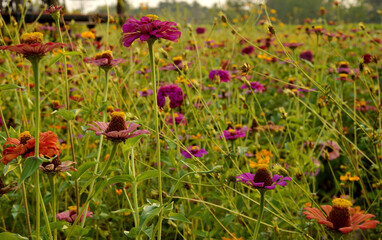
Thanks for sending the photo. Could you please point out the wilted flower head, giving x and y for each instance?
(341, 217)
(330, 150)
(148, 27)
(32, 46)
(71, 215)
(195, 151)
(55, 165)
(223, 75)
(117, 130)
(173, 92)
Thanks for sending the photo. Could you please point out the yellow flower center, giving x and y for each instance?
(176, 115)
(30, 38)
(110, 109)
(24, 135)
(88, 34)
(72, 208)
(177, 59)
(232, 130)
(341, 203)
(195, 148)
(343, 63)
(144, 90)
(118, 114)
(105, 54)
(238, 126)
(343, 75)
(152, 17)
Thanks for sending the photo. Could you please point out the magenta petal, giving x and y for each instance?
(258, 184)
(270, 187)
(275, 178)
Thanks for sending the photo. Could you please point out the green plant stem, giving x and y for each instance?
(36, 74)
(29, 228)
(135, 190)
(257, 228)
(156, 111)
(45, 215)
(91, 194)
(52, 182)
(4, 122)
(70, 129)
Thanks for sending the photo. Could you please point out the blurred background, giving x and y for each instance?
(203, 11)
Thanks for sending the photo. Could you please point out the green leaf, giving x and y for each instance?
(82, 169)
(11, 236)
(148, 213)
(55, 59)
(132, 141)
(120, 179)
(72, 53)
(9, 87)
(65, 114)
(133, 233)
(9, 168)
(147, 175)
(31, 165)
(178, 217)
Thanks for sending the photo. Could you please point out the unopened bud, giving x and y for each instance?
(223, 17)
(271, 29)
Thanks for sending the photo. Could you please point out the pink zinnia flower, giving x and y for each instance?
(195, 151)
(148, 27)
(117, 130)
(262, 179)
(173, 92)
(71, 215)
(223, 75)
(105, 60)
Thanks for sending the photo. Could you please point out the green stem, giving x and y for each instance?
(29, 228)
(36, 74)
(52, 182)
(45, 216)
(91, 194)
(156, 111)
(257, 228)
(4, 122)
(57, 20)
(135, 192)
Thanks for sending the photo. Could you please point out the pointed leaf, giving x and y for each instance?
(9, 86)
(178, 217)
(147, 175)
(31, 165)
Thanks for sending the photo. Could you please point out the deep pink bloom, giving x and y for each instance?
(179, 119)
(195, 151)
(200, 30)
(307, 55)
(71, 215)
(53, 9)
(35, 49)
(232, 134)
(147, 28)
(256, 86)
(223, 75)
(173, 92)
(262, 179)
(248, 50)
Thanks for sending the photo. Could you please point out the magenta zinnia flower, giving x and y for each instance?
(341, 217)
(200, 30)
(117, 130)
(223, 75)
(195, 151)
(148, 27)
(32, 46)
(173, 92)
(232, 134)
(256, 86)
(105, 60)
(307, 55)
(262, 179)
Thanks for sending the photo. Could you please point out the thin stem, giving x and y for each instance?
(52, 182)
(257, 228)
(91, 194)
(4, 122)
(29, 228)
(156, 111)
(45, 215)
(57, 20)
(36, 74)
(135, 192)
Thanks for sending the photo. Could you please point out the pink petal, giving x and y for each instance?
(346, 229)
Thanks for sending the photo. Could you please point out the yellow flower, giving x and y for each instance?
(348, 177)
(88, 34)
(30, 38)
(273, 11)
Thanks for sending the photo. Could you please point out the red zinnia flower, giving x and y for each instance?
(341, 217)
(32, 46)
(148, 27)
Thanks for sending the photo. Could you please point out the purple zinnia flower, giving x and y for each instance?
(262, 180)
(223, 75)
(148, 27)
(232, 134)
(145, 92)
(200, 30)
(256, 86)
(173, 92)
(248, 50)
(179, 119)
(195, 151)
(307, 55)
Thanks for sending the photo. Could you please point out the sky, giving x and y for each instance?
(90, 5)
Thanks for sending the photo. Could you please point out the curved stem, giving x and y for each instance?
(36, 74)
(91, 194)
(257, 228)
(156, 111)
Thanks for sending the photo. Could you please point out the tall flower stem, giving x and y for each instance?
(135, 192)
(29, 228)
(70, 129)
(257, 228)
(52, 182)
(156, 121)
(91, 193)
(36, 74)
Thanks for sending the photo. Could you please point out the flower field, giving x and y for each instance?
(149, 127)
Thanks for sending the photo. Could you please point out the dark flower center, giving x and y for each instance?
(340, 217)
(263, 175)
(117, 122)
(24, 137)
